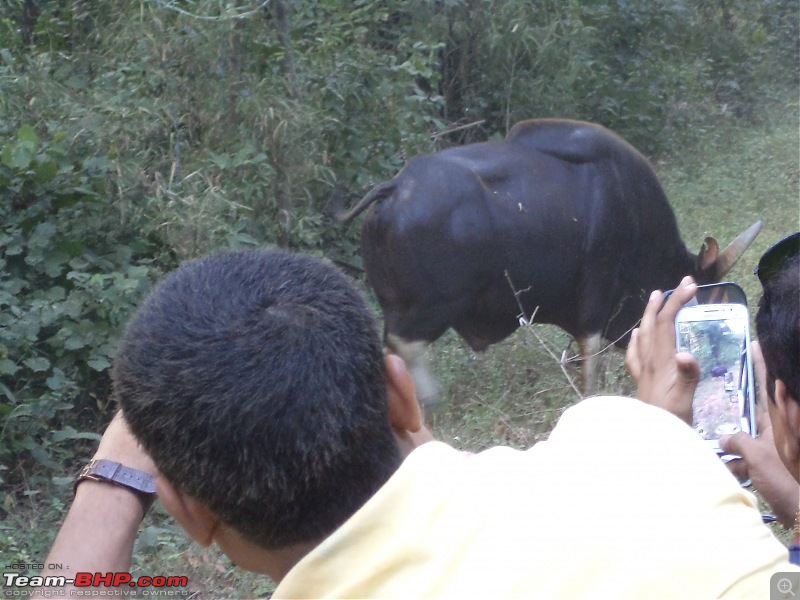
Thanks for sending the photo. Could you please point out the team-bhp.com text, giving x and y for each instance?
(92, 581)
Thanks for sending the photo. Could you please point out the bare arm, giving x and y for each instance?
(102, 524)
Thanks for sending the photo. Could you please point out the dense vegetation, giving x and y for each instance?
(135, 135)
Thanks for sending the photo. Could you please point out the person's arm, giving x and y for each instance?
(664, 377)
(763, 466)
(102, 524)
(760, 461)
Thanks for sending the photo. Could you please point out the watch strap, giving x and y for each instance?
(142, 484)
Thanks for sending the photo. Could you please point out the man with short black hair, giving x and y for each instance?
(272, 360)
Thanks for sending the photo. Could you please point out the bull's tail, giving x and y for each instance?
(379, 192)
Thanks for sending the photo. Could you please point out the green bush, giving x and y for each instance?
(71, 275)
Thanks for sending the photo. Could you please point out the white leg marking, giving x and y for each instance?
(589, 348)
(413, 353)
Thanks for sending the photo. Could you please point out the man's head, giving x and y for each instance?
(256, 381)
(778, 327)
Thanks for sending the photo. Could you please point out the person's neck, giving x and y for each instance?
(408, 441)
(277, 563)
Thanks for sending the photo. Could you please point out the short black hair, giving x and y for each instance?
(778, 327)
(256, 381)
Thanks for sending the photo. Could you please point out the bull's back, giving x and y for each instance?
(472, 212)
(561, 222)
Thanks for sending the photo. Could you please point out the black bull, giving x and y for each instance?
(567, 212)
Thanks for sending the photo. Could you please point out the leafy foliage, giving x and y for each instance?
(65, 291)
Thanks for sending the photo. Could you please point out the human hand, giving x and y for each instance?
(761, 464)
(760, 460)
(665, 377)
(119, 445)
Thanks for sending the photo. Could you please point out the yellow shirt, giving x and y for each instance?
(622, 501)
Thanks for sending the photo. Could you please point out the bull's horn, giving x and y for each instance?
(736, 248)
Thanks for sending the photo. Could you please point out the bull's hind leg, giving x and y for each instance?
(413, 353)
(589, 347)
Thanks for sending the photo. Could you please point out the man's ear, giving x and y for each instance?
(197, 520)
(789, 410)
(404, 411)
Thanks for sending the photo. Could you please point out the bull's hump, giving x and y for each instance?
(572, 141)
(487, 161)
(473, 155)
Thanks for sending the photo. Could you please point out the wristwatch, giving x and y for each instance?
(141, 484)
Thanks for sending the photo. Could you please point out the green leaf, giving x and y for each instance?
(99, 363)
(21, 156)
(74, 342)
(7, 393)
(7, 57)
(38, 364)
(45, 171)
(8, 367)
(56, 381)
(23, 410)
(14, 249)
(40, 237)
(56, 294)
(42, 457)
(69, 433)
(54, 263)
(6, 158)
(72, 247)
(27, 134)
(63, 434)
(221, 160)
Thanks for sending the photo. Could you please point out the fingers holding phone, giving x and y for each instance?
(664, 377)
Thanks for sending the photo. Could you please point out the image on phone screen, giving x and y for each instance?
(718, 336)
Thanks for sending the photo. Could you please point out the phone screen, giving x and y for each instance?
(718, 336)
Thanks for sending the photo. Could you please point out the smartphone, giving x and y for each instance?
(718, 336)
